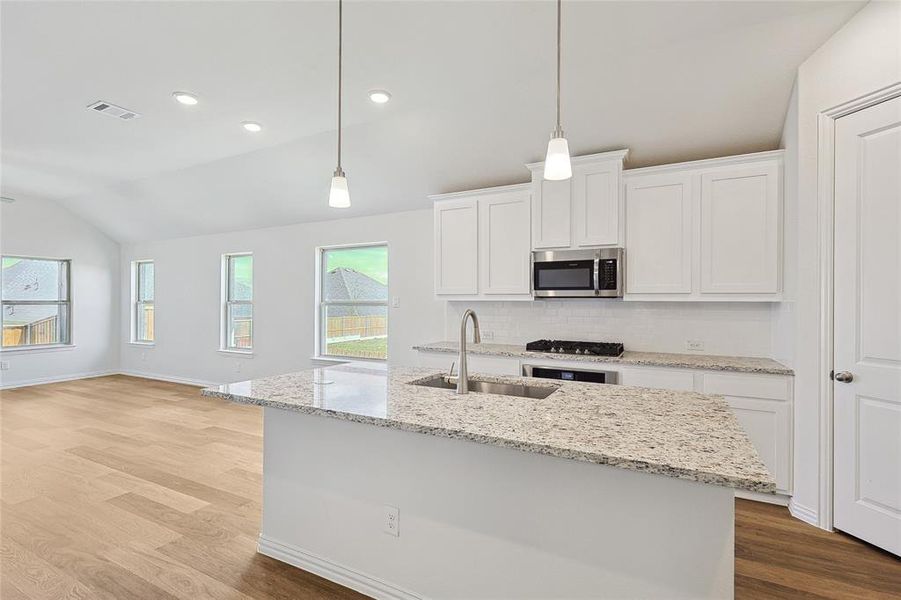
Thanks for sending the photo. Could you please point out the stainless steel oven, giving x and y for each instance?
(578, 273)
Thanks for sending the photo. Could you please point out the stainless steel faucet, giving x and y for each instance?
(463, 376)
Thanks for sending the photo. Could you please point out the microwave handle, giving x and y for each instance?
(597, 274)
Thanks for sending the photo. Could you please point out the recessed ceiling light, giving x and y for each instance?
(379, 96)
(252, 126)
(185, 98)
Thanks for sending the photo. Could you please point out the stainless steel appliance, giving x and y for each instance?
(565, 347)
(586, 375)
(578, 273)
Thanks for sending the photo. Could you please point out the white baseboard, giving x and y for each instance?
(55, 379)
(803, 513)
(365, 584)
(780, 499)
(169, 378)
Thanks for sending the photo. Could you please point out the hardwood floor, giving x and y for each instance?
(121, 488)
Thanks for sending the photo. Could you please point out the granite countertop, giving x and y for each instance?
(710, 362)
(677, 434)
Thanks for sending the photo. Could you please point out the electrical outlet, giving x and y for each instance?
(4, 365)
(395, 302)
(694, 345)
(488, 335)
(391, 521)
(143, 356)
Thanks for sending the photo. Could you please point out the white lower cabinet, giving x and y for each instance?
(664, 379)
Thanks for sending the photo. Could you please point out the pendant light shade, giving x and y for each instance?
(339, 195)
(557, 165)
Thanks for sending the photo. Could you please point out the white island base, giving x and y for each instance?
(479, 521)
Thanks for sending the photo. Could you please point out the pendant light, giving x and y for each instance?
(339, 195)
(557, 165)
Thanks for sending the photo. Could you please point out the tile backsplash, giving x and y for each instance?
(721, 328)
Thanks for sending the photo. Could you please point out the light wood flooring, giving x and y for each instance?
(120, 488)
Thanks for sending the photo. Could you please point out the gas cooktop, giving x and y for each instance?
(564, 347)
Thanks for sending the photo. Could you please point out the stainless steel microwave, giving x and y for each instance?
(578, 273)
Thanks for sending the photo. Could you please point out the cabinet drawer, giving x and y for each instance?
(770, 387)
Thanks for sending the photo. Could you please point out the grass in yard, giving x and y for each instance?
(367, 348)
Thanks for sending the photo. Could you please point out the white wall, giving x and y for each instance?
(41, 228)
(783, 321)
(725, 328)
(187, 296)
(862, 57)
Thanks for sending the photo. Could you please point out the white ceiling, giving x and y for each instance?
(472, 85)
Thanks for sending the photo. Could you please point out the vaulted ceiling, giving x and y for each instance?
(472, 85)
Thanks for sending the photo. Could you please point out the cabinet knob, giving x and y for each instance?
(844, 376)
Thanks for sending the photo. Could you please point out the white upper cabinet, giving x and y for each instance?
(504, 258)
(482, 244)
(457, 247)
(740, 209)
(658, 234)
(706, 230)
(581, 212)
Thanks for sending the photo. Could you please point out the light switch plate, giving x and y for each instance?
(4, 365)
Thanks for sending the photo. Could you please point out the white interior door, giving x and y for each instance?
(867, 303)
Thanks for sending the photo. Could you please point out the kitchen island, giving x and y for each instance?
(382, 480)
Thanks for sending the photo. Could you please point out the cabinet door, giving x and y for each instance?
(768, 425)
(658, 234)
(504, 243)
(740, 225)
(552, 217)
(596, 204)
(457, 247)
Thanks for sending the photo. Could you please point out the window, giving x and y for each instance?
(36, 302)
(353, 301)
(237, 302)
(142, 302)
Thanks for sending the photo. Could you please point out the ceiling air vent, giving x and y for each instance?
(114, 111)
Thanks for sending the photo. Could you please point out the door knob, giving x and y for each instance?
(844, 376)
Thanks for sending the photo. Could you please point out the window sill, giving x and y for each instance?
(142, 344)
(37, 349)
(236, 353)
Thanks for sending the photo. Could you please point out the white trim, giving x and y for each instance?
(724, 161)
(803, 513)
(236, 353)
(586, 158)
(825, 251)
(516, 187)
(37, 349)
(340, 574)
(169, 378)
(55, 379)
(143, 344)
(778, 499)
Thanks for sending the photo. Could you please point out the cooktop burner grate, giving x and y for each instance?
(566, 347)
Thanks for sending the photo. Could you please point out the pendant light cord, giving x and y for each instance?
(340, 46)
(559, 129)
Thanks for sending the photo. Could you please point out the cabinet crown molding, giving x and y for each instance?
(724, 161)
(500, 189)
(587, 158)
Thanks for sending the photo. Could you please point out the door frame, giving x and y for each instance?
(826, 223)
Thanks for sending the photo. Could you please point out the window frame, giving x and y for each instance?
(322, 304)
(225, 302)
(69, 343)
(137, 303)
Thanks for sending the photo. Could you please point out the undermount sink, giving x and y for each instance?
(539, 392)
